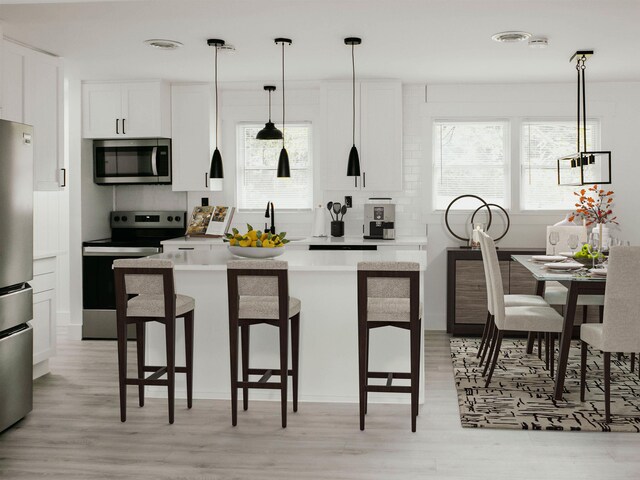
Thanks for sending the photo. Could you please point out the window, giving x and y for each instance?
(470, 158)
(541, 143)
(257, 182)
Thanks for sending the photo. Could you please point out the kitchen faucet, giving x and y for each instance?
(273, 219)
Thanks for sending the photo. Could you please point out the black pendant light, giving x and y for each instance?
(269, 132)
(353, 167)
(583, 167)
(283, 160)
(216, 170)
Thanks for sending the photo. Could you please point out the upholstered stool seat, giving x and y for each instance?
(145, 293)
(259, 294)
(389, 296)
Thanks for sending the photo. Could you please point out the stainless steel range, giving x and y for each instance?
(134, 234)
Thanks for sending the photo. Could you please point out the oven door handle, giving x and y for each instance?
(154, 161)
(119, 251)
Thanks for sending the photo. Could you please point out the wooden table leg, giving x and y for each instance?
(565, 339)
(532, 336)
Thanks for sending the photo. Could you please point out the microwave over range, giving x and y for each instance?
(132, 161)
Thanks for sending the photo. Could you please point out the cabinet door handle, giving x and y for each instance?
(123, 132)
(206, 179)
(364, 179)
(117, 125)
(186, 248)
(64, 177)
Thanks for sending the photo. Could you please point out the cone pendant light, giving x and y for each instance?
(353, 167)
(283, 160)
(216, 170)
(269, 132)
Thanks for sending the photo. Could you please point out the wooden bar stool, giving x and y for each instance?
(389, 296)
(259, 294)
(145, 293)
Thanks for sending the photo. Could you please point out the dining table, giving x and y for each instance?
(579, 282)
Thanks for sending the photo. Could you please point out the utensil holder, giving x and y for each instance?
(337, 229)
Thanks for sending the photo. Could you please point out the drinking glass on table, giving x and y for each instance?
(554, 238)
(573, 242)
(594, 241)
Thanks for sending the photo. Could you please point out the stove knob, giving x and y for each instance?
(177, 218)
(169, 219)
(124, 218)
(116, 218)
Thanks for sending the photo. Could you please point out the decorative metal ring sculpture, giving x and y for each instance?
(446, 214)
(506, 216)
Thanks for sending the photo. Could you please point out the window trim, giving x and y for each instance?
(239, 170)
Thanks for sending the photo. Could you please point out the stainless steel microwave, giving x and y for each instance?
(134, 161)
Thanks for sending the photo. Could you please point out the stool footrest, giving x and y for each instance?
(145, 381)
(148, 368)
(262, 371)
(386, 375)
(386, 388)
(267, 385)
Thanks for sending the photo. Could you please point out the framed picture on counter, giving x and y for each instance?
(210, 221)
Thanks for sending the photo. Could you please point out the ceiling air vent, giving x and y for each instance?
(510, 37)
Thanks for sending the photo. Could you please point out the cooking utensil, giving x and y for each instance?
(343, 210)
(336, 209)
(330, 207)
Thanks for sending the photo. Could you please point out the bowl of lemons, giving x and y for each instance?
(256, 244)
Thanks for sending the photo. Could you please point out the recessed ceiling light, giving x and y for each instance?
(538, 42)
(510, 37)
(163, 44)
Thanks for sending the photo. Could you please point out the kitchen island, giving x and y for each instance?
(326, 284)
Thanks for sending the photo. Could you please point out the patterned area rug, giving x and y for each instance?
(521, 392)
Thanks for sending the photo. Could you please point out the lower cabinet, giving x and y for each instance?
(44, 313)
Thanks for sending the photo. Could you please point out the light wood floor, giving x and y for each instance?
(74, 432)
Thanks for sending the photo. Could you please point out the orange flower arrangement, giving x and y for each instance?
(594, 206)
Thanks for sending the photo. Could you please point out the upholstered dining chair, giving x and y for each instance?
(510, 300)
(620, 328)
(518, 318)
(145, 292)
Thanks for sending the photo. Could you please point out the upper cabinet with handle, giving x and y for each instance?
(126, 110)
(378, 134)
(32, 93)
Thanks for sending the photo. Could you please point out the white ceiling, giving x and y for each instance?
(433, 41)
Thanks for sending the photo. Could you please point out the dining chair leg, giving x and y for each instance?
(233, 363)
(188, 339)
(362, 371)
(170, 336)
(295, 355)
(633, 362)
(140, 331)
(531, 338)
(552, 352)
(607, 386)
(496, 353)
(415, 372)
(487, 346)
(366, 369)
(284, 368)
(583, 369)
(244, 345)
(540, 345)
(485, 332)
(122, 368)
(547, 341)
(601, 313)
(491, 349)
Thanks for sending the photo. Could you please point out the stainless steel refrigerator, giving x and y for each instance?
(16, 269)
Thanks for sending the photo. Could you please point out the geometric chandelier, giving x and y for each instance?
(583, 167)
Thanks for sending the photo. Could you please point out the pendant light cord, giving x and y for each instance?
(269, 106)
(578, 105)
(216, 86)
(584, 104)
(353, 65)
(283, 94)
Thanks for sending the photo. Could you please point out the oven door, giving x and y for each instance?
(98, 289)
(132, 161)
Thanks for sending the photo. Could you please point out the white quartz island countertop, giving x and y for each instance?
(416, 241)
(299, 260)
(326, 284)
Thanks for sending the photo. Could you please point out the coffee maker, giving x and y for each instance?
(379, 219)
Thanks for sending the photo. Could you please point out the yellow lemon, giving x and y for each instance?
(232, 242)
(254, 243)
(245, 242)
(263, 237)
(252, 234)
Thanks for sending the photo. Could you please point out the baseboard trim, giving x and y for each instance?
(74, 331)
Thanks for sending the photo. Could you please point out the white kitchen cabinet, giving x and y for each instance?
(378, 134)
(192, 120)
(44, 311)
(126, 110)
(33, 92)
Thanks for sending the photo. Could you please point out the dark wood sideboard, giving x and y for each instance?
(466, 287)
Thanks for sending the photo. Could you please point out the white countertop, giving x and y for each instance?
(299, 260)
(417, 241)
